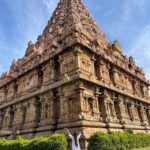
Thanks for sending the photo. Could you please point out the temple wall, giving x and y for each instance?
(74, 89)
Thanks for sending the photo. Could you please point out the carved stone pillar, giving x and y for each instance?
(101, 70)
(11, 117)
(122, 116)
(61, 104)
(6, 119)
(136, 119)
(77, 53)
(46, 109)
(113, 112)
(104, 71)
(23, 116)
(140, 114)
(15, 88)
(134, 85)
(37, 105)
(5, 92)
(142, 90)
(52, 69)
(93, 62)
(31, 114)
(46, 73)
(144, 118)
(106, 110)
(114, 75)
(2, 113)
(56, 107)
(97, 94)
(129, 110)
(81, 101)
(42, 99)
(50, 102)
(40, 76)
(130, 107)
(61, 64)
(54, 113)
(17, 116)
(148, 115)
(106, 114)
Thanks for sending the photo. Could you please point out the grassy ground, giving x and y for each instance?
(148, 148)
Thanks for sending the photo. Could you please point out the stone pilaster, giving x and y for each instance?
(106, 110)
(2, 113)
(62, 105)
(17, 116)
(52, 66)
(77, 52)
(136, 119)
(144, 118)
(122, 116)
(61, 64)
(31, 115)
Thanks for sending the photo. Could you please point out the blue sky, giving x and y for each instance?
(125, 20)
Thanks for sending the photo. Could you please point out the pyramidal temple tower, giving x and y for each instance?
(74, 78)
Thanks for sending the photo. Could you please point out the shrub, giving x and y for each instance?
(53, 142)
(57, 142)
(100, 141)
(118, 141)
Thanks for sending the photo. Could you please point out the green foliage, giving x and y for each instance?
(57, 142)
(100, 141)
(53, 142)
(118, 141)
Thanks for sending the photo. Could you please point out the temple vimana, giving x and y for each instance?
(73, 77)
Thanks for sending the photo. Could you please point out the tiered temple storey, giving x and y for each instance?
(73, 77)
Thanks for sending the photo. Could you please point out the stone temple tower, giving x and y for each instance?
(74, 78)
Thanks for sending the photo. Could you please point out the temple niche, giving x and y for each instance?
(45, 108)
(47, 71)
(68, 62)
(73, 77)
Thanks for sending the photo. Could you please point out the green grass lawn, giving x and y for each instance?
(148, 148)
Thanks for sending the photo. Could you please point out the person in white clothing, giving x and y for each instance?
(75, 140)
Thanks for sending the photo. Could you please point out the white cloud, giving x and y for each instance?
(131, 7)
(140, 49)
(142, 42)
(50, 4)
(29, 19)
(1, 69)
